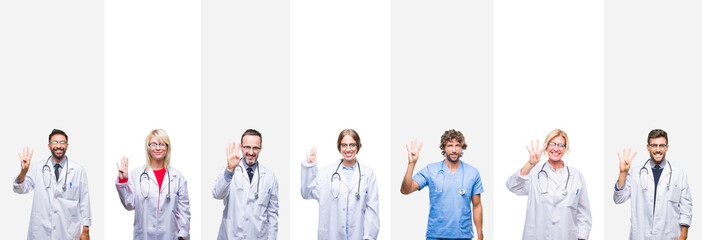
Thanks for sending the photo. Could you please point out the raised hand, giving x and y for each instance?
(535, 152)
(123, 169)
(413, 153)
(625, 162)
(25, 158)
(312, 156)
(233, 156)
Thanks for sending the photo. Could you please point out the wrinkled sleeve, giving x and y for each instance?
(84, 201)
(685, 203)
(182, 213)
(371, 219)
(27, 185)
(519, 184)
(126, 191)
(221, 186)
(310, 185)
(422, 177)
(477, 185)
(622, 194)
(583, 217)
(272, 211)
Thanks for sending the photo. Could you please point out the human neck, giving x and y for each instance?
(452, 165)
(57, 160)
(157, 165)
(349, 163)
(556, 164)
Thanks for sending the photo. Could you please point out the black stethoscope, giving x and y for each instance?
(565, 189)
(442, 173)
(145, 175)
(258, 174)
(46, 172)
(338, 176)
(643, 179)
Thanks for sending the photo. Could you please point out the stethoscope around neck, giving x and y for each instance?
(145, 176)
(644, 182)
(545, 190)
(440, 186)
(46, 172)
(337, 176)
(258, 174)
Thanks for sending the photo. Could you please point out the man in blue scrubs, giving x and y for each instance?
(453, 186)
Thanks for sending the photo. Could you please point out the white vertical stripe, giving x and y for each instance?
(548, 72)
(339, 78)
(152, 80)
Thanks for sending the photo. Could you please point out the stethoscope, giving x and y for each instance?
(258, 174)
(46, 172)
(442, 173)
(337, 176)
(145, 176)
(565, 189)
(643, 181)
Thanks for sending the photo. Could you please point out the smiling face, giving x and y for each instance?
(251, 147)
(348, 148)
(157, 150)
(453, 150)
(657, 147)
(58, 145)
(554, 151)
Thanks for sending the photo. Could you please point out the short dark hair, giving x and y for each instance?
(656, 133)
(57, 131)
(450, 135)
(353, 134)
(253, 132)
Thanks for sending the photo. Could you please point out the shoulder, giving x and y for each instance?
(267, 171)
(138, 170)
(470, 168)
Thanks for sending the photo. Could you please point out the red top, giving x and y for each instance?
(159, 176)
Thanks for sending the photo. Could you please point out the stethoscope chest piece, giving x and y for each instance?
(462, 192)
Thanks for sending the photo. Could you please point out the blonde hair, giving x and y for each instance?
(555, 133)
(161, 136)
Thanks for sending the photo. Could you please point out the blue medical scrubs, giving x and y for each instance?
(450, 213)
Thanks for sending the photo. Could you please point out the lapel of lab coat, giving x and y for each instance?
(255, 180)
(354, 181)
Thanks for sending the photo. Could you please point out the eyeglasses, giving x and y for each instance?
(54, 143)
(662, 146)
(351, 145)
(154, 145)
(560, 145)
(248, 148)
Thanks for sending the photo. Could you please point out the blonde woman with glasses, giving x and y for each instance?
(157, 192)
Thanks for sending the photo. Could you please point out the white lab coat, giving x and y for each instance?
(244, 216)
(552, 215)
(156, 217)
(673, 206)
(56, 214)
(362, 219)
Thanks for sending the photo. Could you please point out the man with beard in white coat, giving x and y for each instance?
(61, 205)
(249, 191)
(347, 193)
(661, 204)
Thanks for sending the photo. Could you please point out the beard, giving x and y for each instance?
(58, 156)
(447, 156)
(650, 154)
(253, 162)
